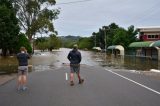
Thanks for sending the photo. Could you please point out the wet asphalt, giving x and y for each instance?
(100, 88)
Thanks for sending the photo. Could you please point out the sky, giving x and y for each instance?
(83, 17)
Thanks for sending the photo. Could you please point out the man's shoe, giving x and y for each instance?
(24, 88)
(81, 81)
(72, 83)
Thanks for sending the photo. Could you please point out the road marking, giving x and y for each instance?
(66, 76)
(134, 82)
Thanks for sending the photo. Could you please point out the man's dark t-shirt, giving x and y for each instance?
(74, 56)
(23, 59)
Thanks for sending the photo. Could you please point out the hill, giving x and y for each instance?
(68, 41)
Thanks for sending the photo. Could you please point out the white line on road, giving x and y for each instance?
(66, 76)
(135, 82)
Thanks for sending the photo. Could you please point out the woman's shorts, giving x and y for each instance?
(22, 70)
(75, 68)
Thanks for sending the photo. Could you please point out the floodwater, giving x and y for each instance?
(42, 61)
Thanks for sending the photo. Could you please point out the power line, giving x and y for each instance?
(147, 16)
(145, 13)
(74, 2)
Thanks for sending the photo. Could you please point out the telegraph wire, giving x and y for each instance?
(73, 2)
(145, 13)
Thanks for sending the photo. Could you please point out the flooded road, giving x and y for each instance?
(51, 60)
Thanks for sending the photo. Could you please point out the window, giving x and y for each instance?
(152, 36)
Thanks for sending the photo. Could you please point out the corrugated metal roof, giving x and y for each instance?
(141, 44)
(156, 44)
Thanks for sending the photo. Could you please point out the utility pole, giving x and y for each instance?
(103, 28)
(105, 38)
(105, 41)
(94, 34)
(95, 40)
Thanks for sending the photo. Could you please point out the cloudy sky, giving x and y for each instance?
(82, 17)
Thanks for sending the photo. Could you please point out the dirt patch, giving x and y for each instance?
(6, 78)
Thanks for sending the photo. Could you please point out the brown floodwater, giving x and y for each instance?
(42, 61)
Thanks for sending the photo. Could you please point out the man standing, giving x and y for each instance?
(22, 68)
(74, 57)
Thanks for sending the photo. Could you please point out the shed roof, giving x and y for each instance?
(96, 48)
(156, 44)
(141, 44)
(119, 47)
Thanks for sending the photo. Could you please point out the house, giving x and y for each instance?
(149, 33)
(150, 42)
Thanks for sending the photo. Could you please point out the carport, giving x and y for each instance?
(156, 45)
(97, 48)
(147, 49)
(117, 47)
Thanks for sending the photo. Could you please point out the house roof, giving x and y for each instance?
(149, 29)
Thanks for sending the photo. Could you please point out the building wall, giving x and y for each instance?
(150, 37)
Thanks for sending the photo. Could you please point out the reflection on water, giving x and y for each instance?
(50, 60)
(126, 62)
(140, 63)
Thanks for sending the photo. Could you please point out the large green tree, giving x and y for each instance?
(54, 42)
(23, 41)
(105, 35)
(85, 43)
(51, 42)
(115, 35)
(109, 33)
(35, 16)
(41, 43)
(121, 38)
(132, 32)
(125, 37)
(9, 27)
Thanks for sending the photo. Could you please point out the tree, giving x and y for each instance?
(115, 35)
(9, 27)
(125, 37)
(106, 34)
(35, 16)
(41, 43)
(132, 33)
(54, 42)
(96, 39)
(86, 42)
(121, 38)
(23, 41)
(110, 33)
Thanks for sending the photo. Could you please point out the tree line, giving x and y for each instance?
(48, 43)
(109, 35)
